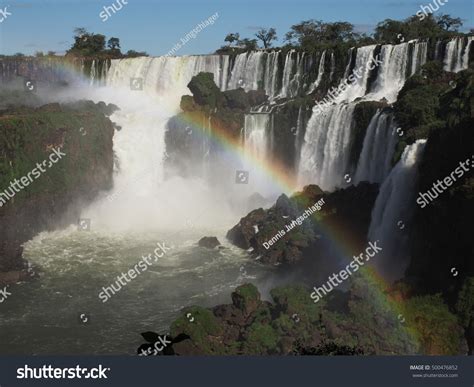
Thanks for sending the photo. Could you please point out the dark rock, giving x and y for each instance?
(209, 242)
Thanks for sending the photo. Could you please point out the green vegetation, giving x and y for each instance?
(313, 35)
(27, 136)
(88, 44)
(429, 318)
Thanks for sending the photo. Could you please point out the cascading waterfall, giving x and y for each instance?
(391, 72)
(325, 152)
(456, 57)
(393, 211)
(377, 151)
(140, 191)
(359, 87)
(316, 83)
(255, 134)
(271, 74)
(418, 57)
(333, 66)
(465, 56)
(247, 71)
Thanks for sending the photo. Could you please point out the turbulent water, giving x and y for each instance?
(42, 317)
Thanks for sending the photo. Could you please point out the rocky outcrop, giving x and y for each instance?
(54, 194)
(350, 207)
(350, 323)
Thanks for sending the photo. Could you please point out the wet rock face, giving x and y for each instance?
(209, 242)
(84, 133)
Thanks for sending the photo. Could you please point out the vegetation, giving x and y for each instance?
(312, 35)
(88, 44)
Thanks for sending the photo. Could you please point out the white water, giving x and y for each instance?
(255, 131)
(393, 211)
(392, 72)
(377, 151)
(325, 152)
(456, 57)
(419, 55)
(316, 83)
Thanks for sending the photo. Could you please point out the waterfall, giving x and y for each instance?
(393, 211)
(465, 57)
(316, 83)
(456, 57)
(325, 152)
(247, 71)
(167, 76)
(419, 55)
(287, 70)
(377, 151)
(358, 88)
(333, 66)
(271, 74)
(256, 134)
(391, 73)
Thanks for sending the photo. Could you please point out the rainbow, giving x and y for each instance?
(346, 245)
(285, 182)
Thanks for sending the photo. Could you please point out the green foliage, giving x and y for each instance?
(266, 36)
(88, 44)
(394, 31)
(261, 339)
(25, 135)
(465, 304)
(204, 90)
(202, 325)
(429, 318)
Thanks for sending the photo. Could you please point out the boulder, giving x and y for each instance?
(209, 242)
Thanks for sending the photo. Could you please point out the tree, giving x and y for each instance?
(249, 44)
(266, 36)
(135, 54)
(113, 43)
(87, 44)
(231, 38)
(310, 33)
(449, 23)
(39, 54)
(51, 53)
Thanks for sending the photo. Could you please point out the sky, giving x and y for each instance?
(155, 26)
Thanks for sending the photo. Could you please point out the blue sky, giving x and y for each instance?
(155, 26)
